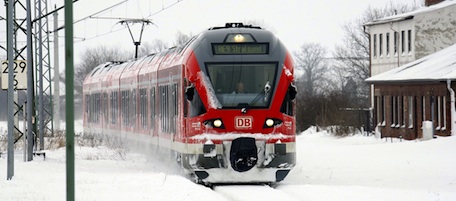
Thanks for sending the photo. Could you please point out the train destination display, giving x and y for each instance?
(238, 48)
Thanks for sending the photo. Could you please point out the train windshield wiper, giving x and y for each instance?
(265, 91)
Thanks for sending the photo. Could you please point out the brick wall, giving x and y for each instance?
(403, 109)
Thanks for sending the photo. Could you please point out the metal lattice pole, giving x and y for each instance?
(16, 32)
(22, 30)
(43, 71)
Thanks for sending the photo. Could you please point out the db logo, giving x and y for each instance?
(243, 122)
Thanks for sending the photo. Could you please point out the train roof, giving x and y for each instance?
(219, 34)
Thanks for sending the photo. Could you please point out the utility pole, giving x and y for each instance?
(69, 93)
(30, 89)
(10, 46)
(56, 74)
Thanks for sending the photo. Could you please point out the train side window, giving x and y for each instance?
(105, 107)
(287, 104)
(185, 95)
(114, 105)
(87, 97)
(134, 111)
(143, 107)
(175, 99)
(111, 103)
(196, 106)
(174, 108)
(165, 108)
(162, 106)
(92, 106)
(126, 107)
(152, 107)
(122, 106)
(99, 107)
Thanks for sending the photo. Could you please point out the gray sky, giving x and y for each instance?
(295, 22)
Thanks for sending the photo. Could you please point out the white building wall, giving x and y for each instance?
(383, 53)
(435, 30)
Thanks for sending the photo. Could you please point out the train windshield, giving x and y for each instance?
(238, 85)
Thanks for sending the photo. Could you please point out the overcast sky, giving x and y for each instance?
(295, 22)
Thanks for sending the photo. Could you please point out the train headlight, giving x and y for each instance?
(238, 38)
(217, 123)
(214, 123)
(271, 122)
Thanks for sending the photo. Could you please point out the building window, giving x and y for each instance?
(387, 44)
(400, 112)
(396, 42)
(432, 108)
(409, 41)
(423, 103)
(375, 45)
(402, 41)
(439, 113)
(380, 45)
(393, 111)
(444, 113)
(381, 110)
(410, 111)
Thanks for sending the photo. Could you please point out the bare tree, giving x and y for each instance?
(154, 46)
(181, 38)
(310, 59)
(93, 57)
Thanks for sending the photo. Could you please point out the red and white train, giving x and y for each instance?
(222, 104)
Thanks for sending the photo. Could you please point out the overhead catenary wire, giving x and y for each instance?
(97, 16)
(88, 17)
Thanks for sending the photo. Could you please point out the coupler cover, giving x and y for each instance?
(243, 154)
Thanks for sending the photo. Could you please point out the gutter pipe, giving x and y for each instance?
(452, 108)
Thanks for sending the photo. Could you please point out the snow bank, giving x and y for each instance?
(328, 168)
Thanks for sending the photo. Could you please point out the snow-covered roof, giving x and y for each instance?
(410, 15)
(440, 66)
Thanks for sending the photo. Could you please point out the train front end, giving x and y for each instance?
(239, 113)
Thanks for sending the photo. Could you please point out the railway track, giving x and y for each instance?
(252, 192)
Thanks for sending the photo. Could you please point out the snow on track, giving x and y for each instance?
(252, 192)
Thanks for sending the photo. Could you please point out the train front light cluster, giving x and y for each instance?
(239, 38)
(271, 122)
(215, 123)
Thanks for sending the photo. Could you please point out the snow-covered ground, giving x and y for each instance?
(329, 168)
